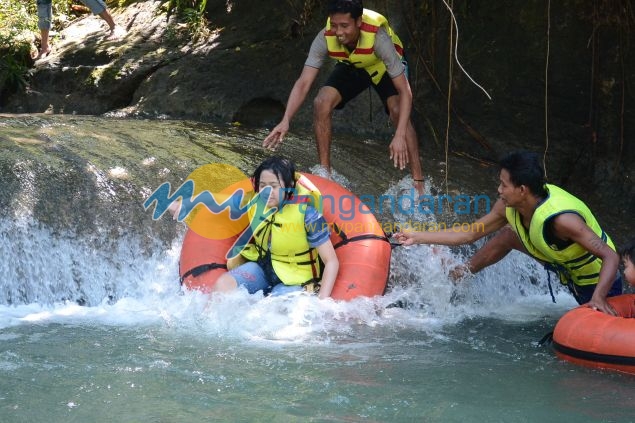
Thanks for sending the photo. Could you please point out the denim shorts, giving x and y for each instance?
(44, 14)
(95, 6)
(253, 278)
(45, 11)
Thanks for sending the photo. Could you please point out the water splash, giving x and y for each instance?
(113, 269)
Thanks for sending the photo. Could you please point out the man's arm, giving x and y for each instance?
(491, 222)
(296, 98)
(571, 227)
(398, 146)
(317, 55)
(385, 49)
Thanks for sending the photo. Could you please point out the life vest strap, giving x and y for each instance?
(562, 273)
(299, 263)
(301, 253)
(549, 270)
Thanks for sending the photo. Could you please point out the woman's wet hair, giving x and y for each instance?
(524, 168)
(284, 169)
(354, 7)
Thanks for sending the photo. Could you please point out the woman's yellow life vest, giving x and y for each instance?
(573, 263)
(364, 55)
(284, 235)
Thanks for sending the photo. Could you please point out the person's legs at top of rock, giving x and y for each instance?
(44, 19)
(98, 7)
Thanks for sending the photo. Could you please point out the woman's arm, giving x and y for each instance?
(331, 267)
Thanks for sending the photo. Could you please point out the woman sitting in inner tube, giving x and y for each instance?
(290, 248)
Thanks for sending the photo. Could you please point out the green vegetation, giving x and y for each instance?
(18, 24)
(192, 12)
(19, 33)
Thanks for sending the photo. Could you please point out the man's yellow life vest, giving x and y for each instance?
(574, 263)
(364, 55)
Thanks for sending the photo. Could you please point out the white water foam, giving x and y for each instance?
(45, 274)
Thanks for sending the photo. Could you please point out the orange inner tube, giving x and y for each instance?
(360, 244)
(595, 339)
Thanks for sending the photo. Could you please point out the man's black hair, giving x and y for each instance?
(524, 168)
(354, 7)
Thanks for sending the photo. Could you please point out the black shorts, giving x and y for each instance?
(350, 81)
(583, 294)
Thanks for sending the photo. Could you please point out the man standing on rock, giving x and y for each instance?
(369, 53)
(45, 18)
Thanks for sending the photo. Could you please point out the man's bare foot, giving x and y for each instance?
(115, 33)
(43, 53)
(322, 171)
(459, 272)
(419, 185)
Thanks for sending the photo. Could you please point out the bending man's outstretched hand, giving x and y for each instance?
(399, 152)
(276, 136)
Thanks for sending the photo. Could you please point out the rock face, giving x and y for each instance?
(565, 69)
(240, 69)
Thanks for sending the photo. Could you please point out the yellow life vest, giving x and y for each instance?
(284, 235)
(364, 55)
(573, 263)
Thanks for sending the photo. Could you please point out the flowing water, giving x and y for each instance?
(95, 328)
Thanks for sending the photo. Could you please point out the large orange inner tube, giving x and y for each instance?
(595, 339)
(360, 244)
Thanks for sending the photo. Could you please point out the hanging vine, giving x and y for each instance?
(416, 9)
(449, 94)
(544, 157)
(611, 15)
